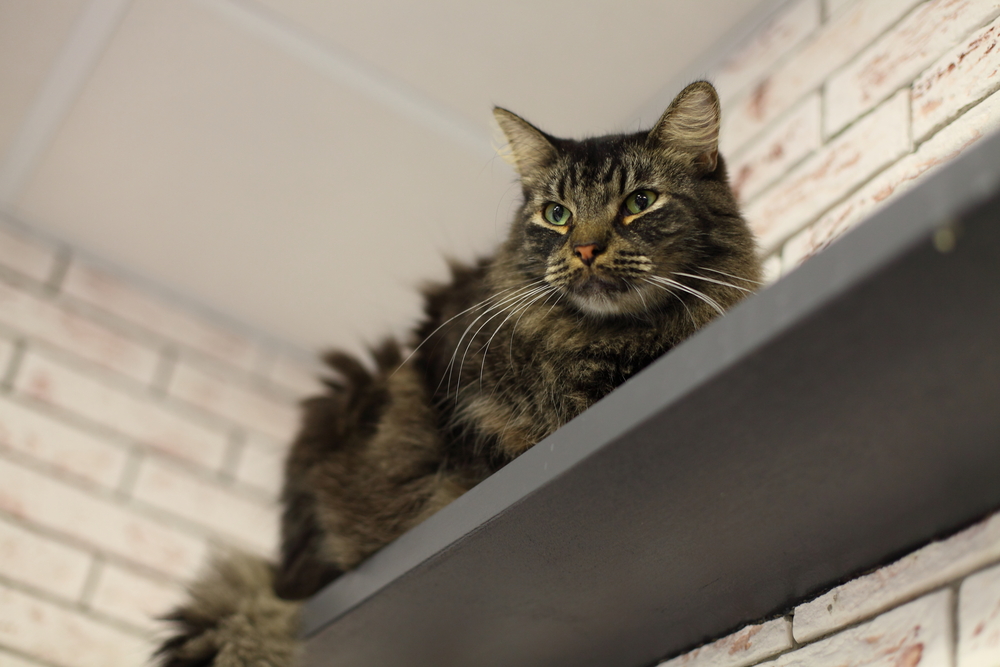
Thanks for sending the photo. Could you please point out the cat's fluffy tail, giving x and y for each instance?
(233, 619)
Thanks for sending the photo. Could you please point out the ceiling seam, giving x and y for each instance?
(62, 87)
(354, 73)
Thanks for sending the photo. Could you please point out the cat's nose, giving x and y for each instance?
(587, 252)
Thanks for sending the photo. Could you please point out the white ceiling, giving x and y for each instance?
(300, 165)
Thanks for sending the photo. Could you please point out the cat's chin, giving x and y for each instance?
(601, 297)
(599, 306)
(606, 304)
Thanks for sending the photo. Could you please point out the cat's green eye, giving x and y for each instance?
(557, 214)
(639, 201)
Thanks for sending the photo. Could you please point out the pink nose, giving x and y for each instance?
(587, 252)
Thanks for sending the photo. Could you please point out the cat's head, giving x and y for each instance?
(610, 221)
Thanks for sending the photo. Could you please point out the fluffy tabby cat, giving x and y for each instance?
(624, 246)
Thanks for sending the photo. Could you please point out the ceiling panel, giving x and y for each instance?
(300, 165)
(580, 67)
(31, 35)
(214, 163)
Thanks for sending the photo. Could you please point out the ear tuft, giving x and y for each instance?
(529, 147)
(691, 123)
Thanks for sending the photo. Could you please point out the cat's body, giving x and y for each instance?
(624, 246)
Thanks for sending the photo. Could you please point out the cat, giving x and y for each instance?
(624, 246)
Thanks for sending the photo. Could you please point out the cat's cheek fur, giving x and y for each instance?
(536, 246)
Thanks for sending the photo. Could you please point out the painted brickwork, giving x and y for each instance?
(855, 109)
(937, 607)
(827, 119)
(135, 437)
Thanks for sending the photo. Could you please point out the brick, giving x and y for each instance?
(873, 143)
(764, 161)
(142, 418)
(38, 499)
(262, 465)
(41, 562)
(115, 295)
(746, 647)
(63, 637)
(134, 598)
(897, 179)
(916, 634)
(6, 354)
(234, 399)
(300, 377)
(837, 42)
(768, 45)
(65, 329)
(934, 565)
(965, 75)
(65, 448)
(834, 7)
(900, 55)
(11, 660)
(25, 254)
(204, 502)
(979, 620)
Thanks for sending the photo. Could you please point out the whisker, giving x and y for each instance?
(513, 331)
(704, 297)
(692, 291)
(502, 306)
(451, 319)
(518, 299)
(729, 275)
(645, 306)
(517, 294)
(671, 293)
(554, 304)
(523, 309)
(713, 280)
(523, 303)
(627, 273)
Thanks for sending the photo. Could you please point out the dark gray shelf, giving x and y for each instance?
(839, 418)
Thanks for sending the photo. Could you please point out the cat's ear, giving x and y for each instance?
(690, 125)
(530, 148)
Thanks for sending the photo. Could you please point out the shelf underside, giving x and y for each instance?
(837, 419)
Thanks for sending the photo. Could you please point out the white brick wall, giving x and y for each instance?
(979, 620)
(937, 603)
(825, 121)
(748, 646)
(135, 436)
(936, 565)
(864, 149)
(900, 55)
(65, 636)
(855, 110)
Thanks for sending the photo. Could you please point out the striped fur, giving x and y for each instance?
(510, 349)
